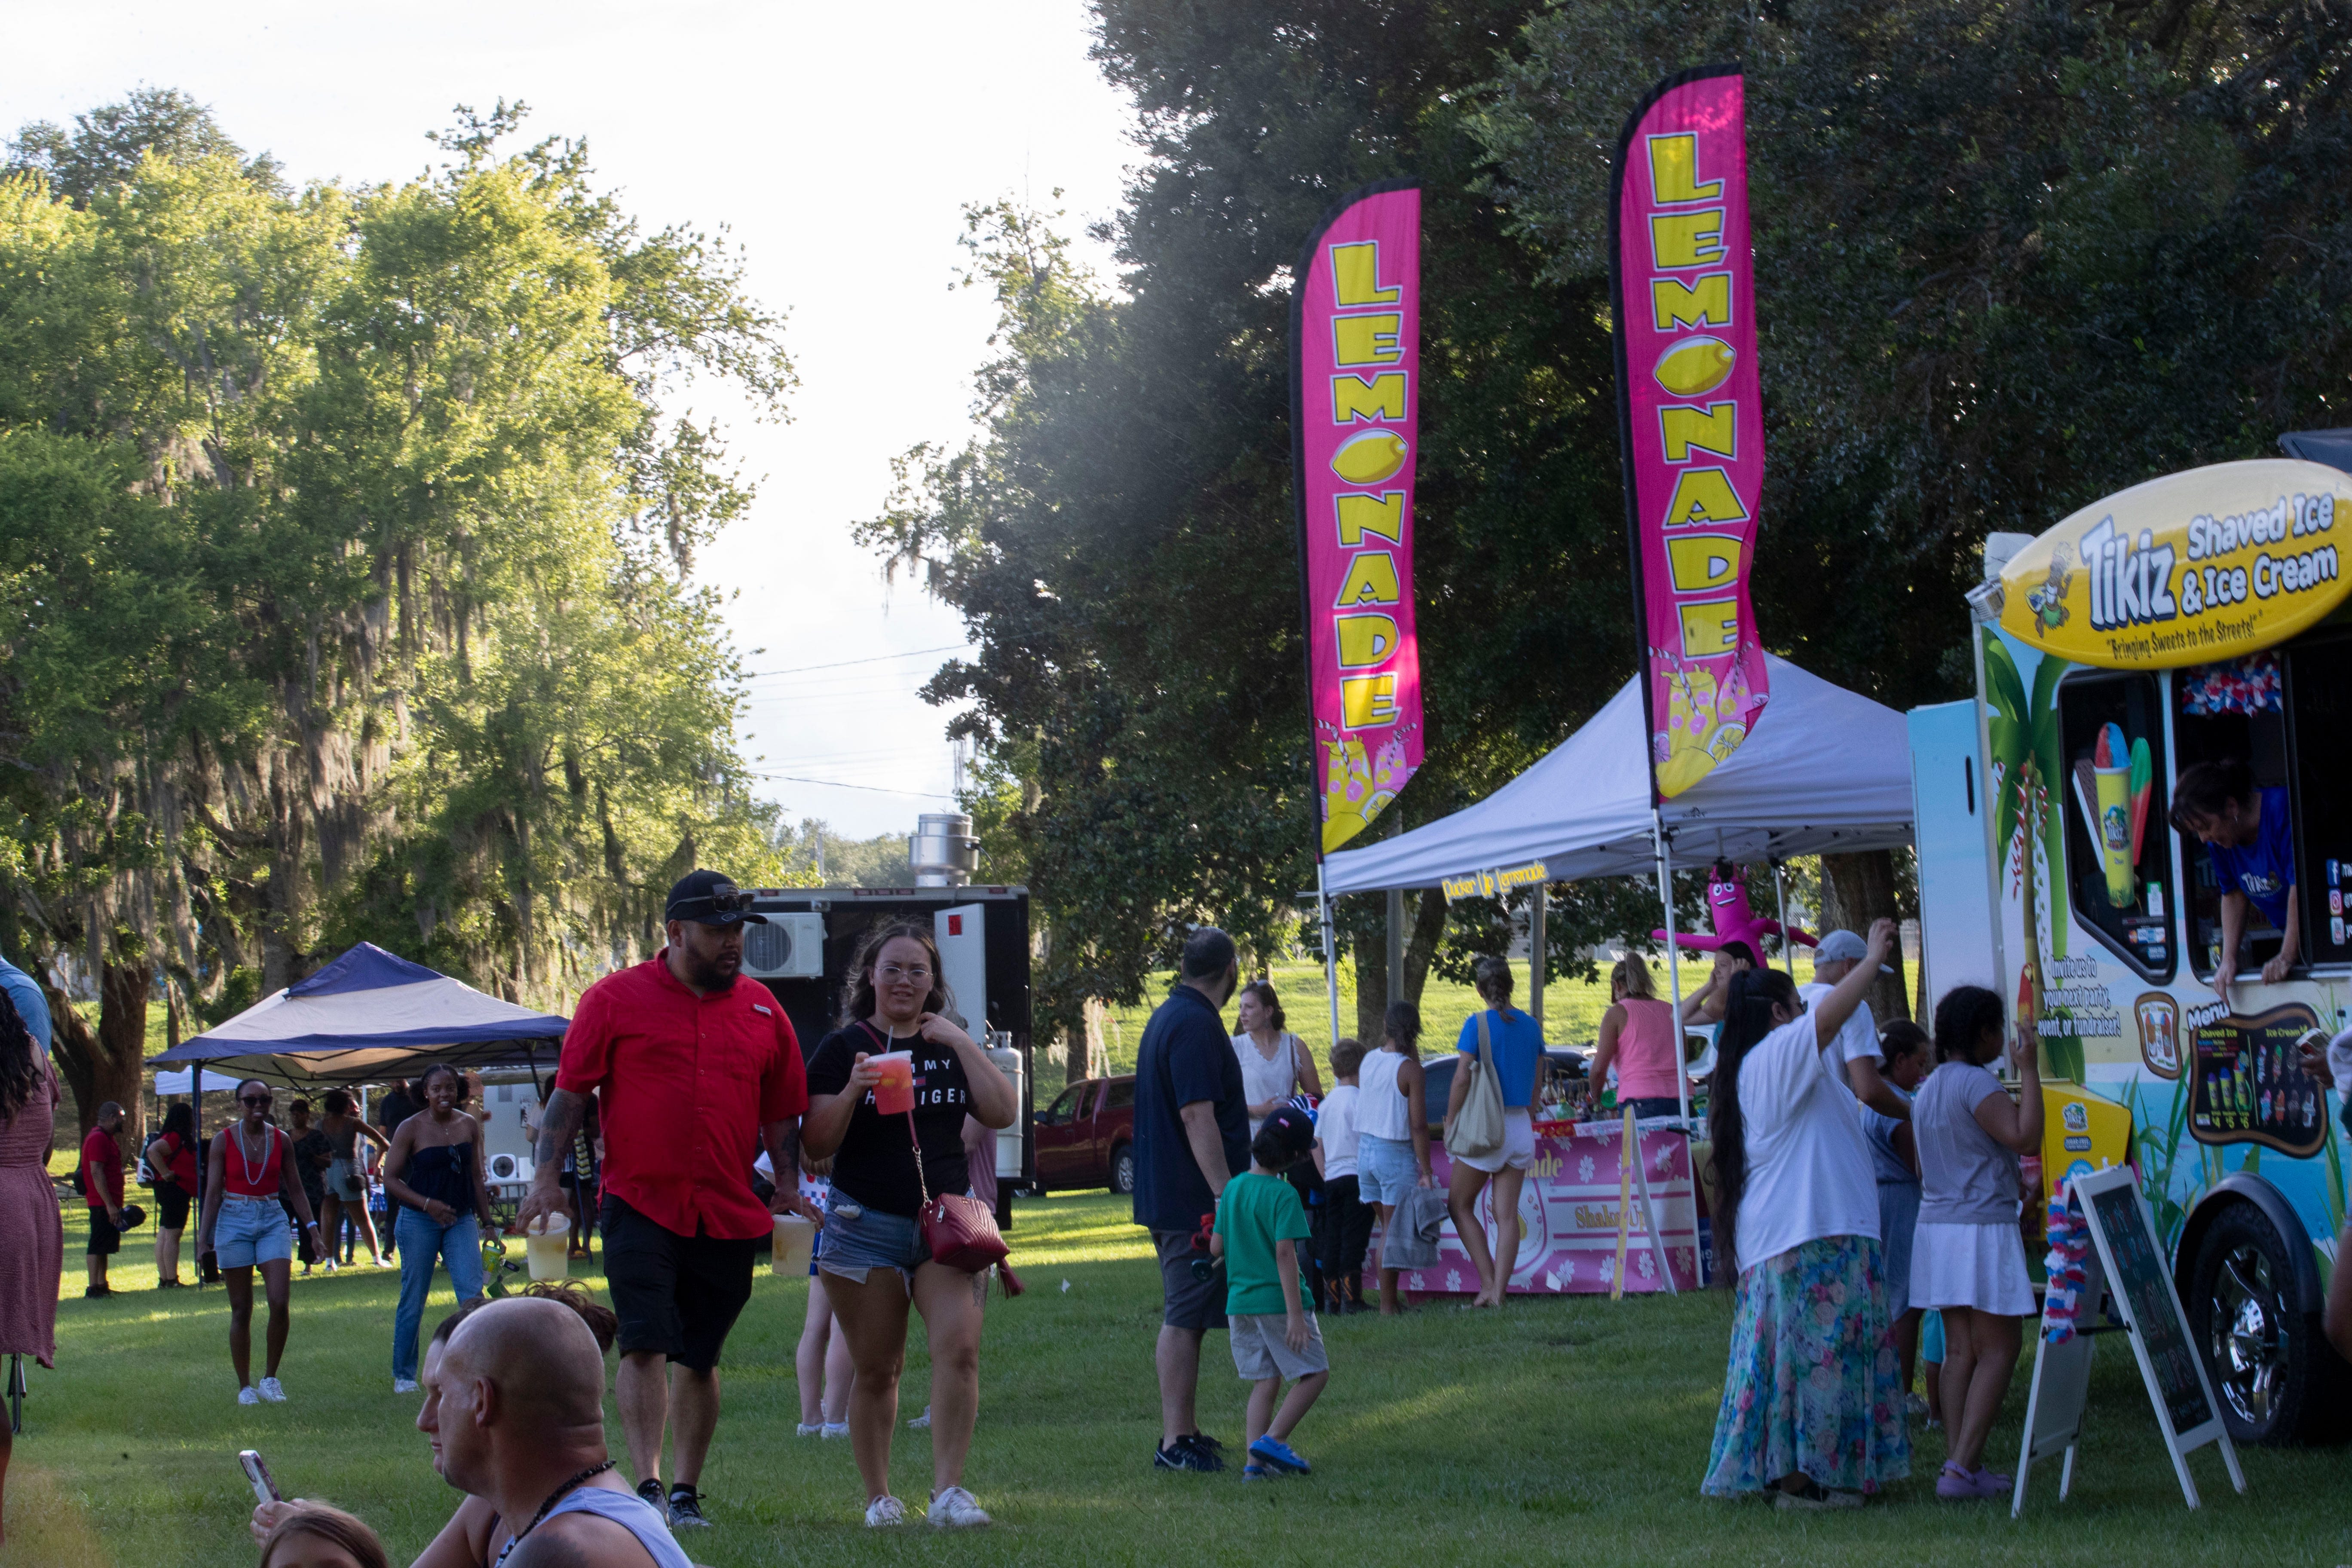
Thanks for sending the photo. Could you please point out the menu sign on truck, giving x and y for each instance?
(2250, 1086)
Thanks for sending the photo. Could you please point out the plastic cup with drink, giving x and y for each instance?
(795, 1235)
(546, 1242)
(894, 1094)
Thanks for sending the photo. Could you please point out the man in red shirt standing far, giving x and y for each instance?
(101, 1186)
(692, 1071)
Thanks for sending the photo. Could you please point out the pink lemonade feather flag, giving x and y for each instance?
(1355, 417)
(1691, 417)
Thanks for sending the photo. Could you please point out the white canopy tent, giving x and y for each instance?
(1825, 770)
(1822, 770)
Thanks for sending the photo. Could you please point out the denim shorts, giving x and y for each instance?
(248, 1231)
(1384, 1169)
(858, 1239)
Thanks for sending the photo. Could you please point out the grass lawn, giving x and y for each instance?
(1565, 1430)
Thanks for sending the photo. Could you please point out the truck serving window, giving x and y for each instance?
(2319, 708)
(2118, 865)
(2235, 709)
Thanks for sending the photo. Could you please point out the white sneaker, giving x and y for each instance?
(403, 1386)
(272, 1390)
(246, 1396)
(885, 1511)
(836, 1428)
(922, 1423)
(329, 1266)
(953, 1509)
(807, 1430)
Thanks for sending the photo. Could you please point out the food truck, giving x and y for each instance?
(2195, 617)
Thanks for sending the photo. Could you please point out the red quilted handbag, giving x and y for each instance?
(958, 1227)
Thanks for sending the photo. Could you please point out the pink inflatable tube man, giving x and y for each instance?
(1727, 904)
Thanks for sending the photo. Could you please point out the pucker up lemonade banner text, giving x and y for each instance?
(1356, 409)
(1692, 416)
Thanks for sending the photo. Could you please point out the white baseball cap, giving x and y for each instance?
(1844, 946)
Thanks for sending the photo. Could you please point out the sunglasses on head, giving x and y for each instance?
(724, 898)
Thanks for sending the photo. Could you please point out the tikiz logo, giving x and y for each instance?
(2075, 1118)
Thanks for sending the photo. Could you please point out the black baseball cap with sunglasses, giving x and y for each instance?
(709, 898)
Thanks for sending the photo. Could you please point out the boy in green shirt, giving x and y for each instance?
(1260, 1223)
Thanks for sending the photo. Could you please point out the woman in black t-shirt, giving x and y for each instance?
(874, 1258)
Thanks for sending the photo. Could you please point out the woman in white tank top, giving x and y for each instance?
(1391, 1131)
(1273, 1065)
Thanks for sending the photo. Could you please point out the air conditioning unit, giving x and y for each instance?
(790, 946)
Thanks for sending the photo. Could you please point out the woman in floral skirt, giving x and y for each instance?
(1813, 1407)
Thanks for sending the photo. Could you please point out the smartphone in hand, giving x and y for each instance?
(264, 1486)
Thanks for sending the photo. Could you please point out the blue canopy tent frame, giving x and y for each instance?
(362, 1018)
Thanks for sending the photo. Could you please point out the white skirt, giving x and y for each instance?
(1979, 1266)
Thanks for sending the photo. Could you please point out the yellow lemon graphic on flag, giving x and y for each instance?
(1369, 455)
(1694, 365)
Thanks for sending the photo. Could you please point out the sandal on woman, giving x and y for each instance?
(1956, 1483)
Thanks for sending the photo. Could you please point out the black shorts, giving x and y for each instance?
(170, 1208)
(674, 1294)
(104, 1240)
(1187, 1302)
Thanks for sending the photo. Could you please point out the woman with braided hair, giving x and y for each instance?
(1812, 1408)
(249, 1174)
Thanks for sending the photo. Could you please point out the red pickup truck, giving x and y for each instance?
(1087, 1137)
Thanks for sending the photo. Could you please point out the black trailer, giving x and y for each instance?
(802, 955)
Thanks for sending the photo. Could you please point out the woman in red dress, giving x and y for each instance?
(32, 1232)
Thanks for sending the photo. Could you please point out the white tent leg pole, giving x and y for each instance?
(1330, 953)
(1674, 988)
(1780, 894)
(1674, 957)
(196, 1103)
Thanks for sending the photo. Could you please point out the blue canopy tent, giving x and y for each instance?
(368, 1015)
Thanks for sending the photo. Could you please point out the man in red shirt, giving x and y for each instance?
(692, 1071)
(101, 1185)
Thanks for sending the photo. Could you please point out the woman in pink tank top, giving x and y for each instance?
(1639, 1037)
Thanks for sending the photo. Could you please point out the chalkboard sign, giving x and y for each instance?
(2142, 1287)
(2146, 1284)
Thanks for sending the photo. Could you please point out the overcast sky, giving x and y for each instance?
(838, 144)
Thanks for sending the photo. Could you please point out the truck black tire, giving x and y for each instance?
(2277, 1379)
(1122, 1170)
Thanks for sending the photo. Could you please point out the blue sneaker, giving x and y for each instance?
(1273, 1450)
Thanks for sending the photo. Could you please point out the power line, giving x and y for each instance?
(836, 783)
(844, 664)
